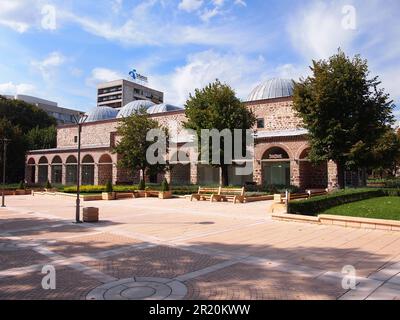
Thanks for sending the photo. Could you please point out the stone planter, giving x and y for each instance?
(165, 194)
(139, 194)
(90, 214)
(108, 195)
(20, 192)
(50, 189)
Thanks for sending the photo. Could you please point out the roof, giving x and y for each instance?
(101, 113)
(272, 88)
(133, 106)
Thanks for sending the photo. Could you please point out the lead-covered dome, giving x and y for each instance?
(163, 107)
(273, 88)
(101, 113)
(133, 106)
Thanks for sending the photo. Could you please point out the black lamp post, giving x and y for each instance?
(5, 142)
(79, 121)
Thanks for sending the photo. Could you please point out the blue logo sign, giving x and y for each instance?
(136, 76)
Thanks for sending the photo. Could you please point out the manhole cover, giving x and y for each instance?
(139, 288)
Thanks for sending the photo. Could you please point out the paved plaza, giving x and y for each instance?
(177, 249)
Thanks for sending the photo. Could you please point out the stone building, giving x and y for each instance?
(280, 154)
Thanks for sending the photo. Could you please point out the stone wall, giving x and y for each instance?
(278, 114)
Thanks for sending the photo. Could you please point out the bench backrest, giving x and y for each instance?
(232, 191)
(209, 190)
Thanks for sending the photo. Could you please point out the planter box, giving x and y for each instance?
(108, 195)
(90, 214)
(165, 194)
(139, 194)
(20, 192)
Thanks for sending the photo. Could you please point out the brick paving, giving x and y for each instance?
(195, 250)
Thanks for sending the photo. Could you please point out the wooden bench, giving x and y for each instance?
(227, 194)
(205, 194)
(316, 192)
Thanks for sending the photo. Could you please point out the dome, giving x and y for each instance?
(101, 113)
(133, 106)
(273, 88)
(159, 108)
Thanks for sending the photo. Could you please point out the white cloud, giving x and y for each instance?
(316, 30)
(21, 15)
(48, 65)
(12, 88)
(99, 75)
(209, 13)
(239, 71)
(241, 3)
(190, 5)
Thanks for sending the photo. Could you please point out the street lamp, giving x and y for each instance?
(5, 142)
(79, 120)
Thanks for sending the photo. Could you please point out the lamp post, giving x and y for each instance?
(5, 141)
(79, 121)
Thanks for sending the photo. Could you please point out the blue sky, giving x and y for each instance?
(60, 50)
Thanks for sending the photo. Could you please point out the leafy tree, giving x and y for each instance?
(344, 111)
(25, 115)
(217, 107)
(26, 125)
(133, 146)
(16, 149)
(42, 138)
(386, 153)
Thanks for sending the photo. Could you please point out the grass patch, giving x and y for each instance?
(378, 208)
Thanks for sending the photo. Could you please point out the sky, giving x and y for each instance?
(60, 50)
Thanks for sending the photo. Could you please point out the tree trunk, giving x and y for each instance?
(224, 175)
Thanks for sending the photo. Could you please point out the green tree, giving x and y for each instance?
(344, 111)
(42, 138)
(25, 115)
(217, 107)
(16, 149)
(133, 146)
(386, 153)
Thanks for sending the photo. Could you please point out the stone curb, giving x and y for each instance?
(344, 221)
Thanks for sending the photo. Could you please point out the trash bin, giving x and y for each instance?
(90, 214)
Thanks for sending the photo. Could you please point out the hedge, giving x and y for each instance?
(315, 205)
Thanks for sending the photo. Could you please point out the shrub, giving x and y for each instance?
(280, 188)
(48, 185)
(318, 204)
(21, 185)
(142, 185)
(109, 186)
(164, 185)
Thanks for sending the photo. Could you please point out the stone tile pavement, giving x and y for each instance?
(177, 249)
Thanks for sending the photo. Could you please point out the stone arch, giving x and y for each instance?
(71, 170)
(265, 147)
(31, 170)
(275, 166)
(311, 175)
(87, 172)
(105, 168)
(56, 170)
(56, 159)
(179, 171)
(43, 170)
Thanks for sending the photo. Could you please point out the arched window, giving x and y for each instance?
(276, 167)
(56, 170)
(43, 173)
(71, 170)
(87, 170)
